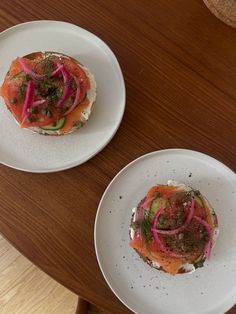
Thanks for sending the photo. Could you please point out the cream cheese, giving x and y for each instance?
(131, 230)
(179, 185)
(155, 264)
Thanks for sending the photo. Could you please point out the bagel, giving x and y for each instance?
(173, 228)
(49, 93)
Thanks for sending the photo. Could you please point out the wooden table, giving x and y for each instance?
(179, 66)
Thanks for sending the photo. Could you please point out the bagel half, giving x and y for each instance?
(49, 93)
(173, 228)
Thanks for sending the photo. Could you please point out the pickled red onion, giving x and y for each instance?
(67, 91)
(156, 238)
(38, 102)
(208, 246)
(77, 95)
(58, 70)
(145, 204)
(25, 68)
(29, 98)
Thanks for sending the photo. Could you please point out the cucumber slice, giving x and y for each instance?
(199, 200)
(157, 203)
(199, 261)
(54, 126)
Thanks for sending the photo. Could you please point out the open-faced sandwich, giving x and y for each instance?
(49, 93)
(173, 228)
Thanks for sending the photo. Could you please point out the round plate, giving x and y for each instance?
(24, 150)
(211, 289)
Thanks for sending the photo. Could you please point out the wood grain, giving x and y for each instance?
(224, 10)
(26, 289)
(179, 66)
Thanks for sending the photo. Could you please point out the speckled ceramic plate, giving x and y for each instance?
(209, 290)
(24, 150)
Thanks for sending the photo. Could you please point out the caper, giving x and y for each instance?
(33, 110)
(162, 218)
(29, 119)
(206, 238)
(14, 101)
(49, 114)
(179, 222)
(27, 77)
(157, 194)
(44, 111)
(173, 221)
(179, 213)
(135, 225)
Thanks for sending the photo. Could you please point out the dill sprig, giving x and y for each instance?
(146, 227)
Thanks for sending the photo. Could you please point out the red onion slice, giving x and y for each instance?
(67, 91)
(77, 95)
(38, 102)
(163, 248)
(145, 204)
(156, 238)
(25, 68)
(58, 70)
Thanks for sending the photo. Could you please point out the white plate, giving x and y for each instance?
(24, 150)
(211, 289)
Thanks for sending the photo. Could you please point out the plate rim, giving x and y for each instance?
(176, 150)
(122, 81)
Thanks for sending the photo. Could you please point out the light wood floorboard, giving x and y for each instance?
(26, 289)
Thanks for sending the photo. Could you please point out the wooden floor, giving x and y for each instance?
(26, 289)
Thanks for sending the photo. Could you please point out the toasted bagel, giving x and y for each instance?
(49, 93)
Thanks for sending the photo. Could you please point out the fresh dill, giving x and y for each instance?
(146, 227)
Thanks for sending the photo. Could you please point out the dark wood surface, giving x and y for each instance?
(179, 66)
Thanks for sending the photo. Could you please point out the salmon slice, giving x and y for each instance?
(170, 265)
